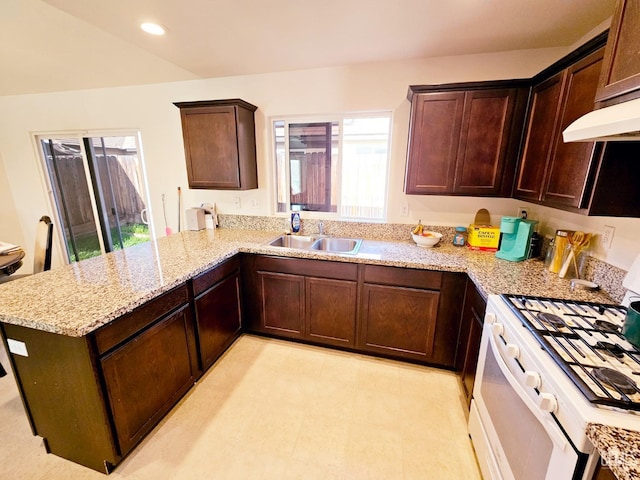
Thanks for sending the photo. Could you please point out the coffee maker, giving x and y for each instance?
(515, 238)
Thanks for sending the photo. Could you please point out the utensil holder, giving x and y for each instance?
(573, 262)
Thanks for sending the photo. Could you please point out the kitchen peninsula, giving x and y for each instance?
(105, 347)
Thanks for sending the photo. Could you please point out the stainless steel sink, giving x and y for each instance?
(337, 245)
(324, 244)
(293, 241)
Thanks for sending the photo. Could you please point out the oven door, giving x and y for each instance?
(513, 436)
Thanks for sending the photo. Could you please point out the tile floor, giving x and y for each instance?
(270, 409)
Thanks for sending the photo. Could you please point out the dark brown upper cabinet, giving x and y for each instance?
(220, 144)
(464, 138)
(620, 78)
(580, 177)
(539, 135)
(551, 171)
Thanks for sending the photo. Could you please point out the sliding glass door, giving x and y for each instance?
(98, 188)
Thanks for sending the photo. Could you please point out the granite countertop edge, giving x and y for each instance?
(76, 299)
(619, 449)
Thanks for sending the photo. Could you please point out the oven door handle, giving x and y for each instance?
(546, 421)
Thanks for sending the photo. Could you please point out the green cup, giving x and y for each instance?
(631, 328)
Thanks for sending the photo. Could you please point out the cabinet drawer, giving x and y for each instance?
(114, 333)
(403, 276)
(214, 275)
(310, 268)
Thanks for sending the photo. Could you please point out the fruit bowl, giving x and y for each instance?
(427, 238)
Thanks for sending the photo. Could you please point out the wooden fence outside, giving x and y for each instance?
(123, 173)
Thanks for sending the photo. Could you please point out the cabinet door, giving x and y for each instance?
(621, 70)
(398, 321)
(211, 147)
(331, 311)
(486, 126)
(434, 137)
(571, 163)
(470, 334)
(540, 134)
(147, 375)
(218, 318)
(282, 303)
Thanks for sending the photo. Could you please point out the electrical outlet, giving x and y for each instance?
(607, 236)
(255, 203)
(404, 210)
(523, 209)
(236, 202)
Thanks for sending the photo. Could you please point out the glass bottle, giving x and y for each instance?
(460, 237)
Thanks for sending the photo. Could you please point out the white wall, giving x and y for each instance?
(347, 89)
(10, 229)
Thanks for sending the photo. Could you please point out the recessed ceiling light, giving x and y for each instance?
(153, 28)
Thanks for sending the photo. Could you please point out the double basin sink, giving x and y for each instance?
(323, 244)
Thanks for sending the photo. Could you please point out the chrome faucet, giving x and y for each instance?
(321, 227)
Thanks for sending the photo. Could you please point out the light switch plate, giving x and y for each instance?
(17, 347)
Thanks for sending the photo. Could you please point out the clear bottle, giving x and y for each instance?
(551, 253)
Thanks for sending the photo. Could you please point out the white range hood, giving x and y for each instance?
(619, 122)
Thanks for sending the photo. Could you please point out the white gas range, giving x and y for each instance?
(546, 368)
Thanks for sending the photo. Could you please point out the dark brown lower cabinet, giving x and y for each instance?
(603, 473)
(331, 310)
(398, 320)
(62, 395)
(217, 309)
(281, 297)
(410, 314)
(93, 398)
(396, 312)
(147, 375)
(469, 339)
(303, 299)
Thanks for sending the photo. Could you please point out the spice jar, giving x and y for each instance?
(460, 237)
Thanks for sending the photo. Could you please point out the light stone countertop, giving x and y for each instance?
(619, 448)
(76, 299)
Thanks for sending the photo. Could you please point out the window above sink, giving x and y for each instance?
(337, 165)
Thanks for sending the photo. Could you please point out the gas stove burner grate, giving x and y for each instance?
(615, 379)
(612, 349)
(584, 339)
(607, 326)
(551, 319)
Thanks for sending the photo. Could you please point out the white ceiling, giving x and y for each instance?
(54, 45)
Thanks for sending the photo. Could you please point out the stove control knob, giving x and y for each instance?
(548, 402)
(490, 318)
(513, 350)
(532, 379)
(497, 329)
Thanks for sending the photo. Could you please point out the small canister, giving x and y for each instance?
(460, 237)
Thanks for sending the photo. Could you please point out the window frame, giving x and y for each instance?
(326, 118)
(80, 135)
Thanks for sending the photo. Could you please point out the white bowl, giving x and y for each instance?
(429, 240)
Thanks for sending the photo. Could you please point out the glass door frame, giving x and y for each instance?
(100, 225)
